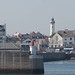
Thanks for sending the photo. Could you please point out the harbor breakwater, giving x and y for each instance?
(20, 62)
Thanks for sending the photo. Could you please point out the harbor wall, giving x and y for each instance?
(37, 64)
(19, 62)
(70, 56)
(53, 56)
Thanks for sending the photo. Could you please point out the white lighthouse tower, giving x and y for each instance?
(52, 26)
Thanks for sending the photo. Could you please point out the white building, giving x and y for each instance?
(52, 26)
(68, 37)
(56, 41)
(65, 38)
(2, 34)
(17, 34)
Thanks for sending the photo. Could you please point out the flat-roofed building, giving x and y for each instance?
(2, 34)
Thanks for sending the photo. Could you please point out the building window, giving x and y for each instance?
(74, 37)
(56, 37)
(70, 43)
(28, 41)
(34, 37)
(70, 38)
(59, 46)
(1, 42)
(1, 38)
(55, 46)
(51, 46)
(64, 32)
(65, 43)
(65, 39)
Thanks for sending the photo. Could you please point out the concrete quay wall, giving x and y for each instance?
(70, 56)
(20, 62)
(53, 56)
(37, 64)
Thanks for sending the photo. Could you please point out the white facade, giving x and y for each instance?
(68, 41)
(68, 37)
(17, 34)
(2, 35)
(62, 41)
(52, 26)
(33, 50)
(56, 41)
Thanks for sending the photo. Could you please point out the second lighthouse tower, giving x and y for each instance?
(52, 26)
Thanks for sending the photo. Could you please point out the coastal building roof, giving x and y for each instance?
(67, 33)
(23, 37)
(33, 35)
(9, 46)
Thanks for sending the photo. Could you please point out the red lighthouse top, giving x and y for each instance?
(32, 44)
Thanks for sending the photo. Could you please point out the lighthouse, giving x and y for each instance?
(52, 26)
(33, 49)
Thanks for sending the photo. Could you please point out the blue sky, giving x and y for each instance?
(25, 16)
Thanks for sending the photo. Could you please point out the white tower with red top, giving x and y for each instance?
(33, 49)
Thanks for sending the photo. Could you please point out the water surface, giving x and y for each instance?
(60, 67)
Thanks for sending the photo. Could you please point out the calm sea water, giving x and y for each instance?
(57, 68)
(60, 68)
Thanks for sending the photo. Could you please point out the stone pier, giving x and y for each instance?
(20, 62)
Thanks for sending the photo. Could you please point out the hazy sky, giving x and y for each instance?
(25, 16)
